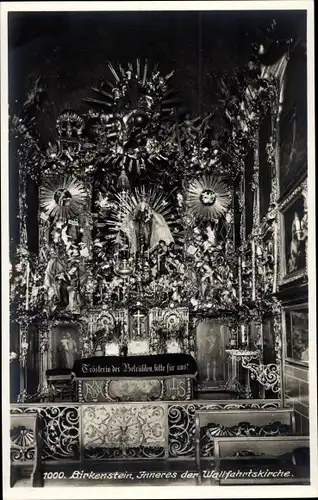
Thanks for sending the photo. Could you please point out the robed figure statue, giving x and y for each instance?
(145, 228)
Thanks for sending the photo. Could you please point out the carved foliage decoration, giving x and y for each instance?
(119, 431)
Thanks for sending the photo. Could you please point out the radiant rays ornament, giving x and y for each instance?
(63, 199)
(137, 101)
(137, 88)
(144, 218)
(208, 198)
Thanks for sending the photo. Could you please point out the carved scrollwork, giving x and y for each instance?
(267, 375)
(181, 430)
(60, 432)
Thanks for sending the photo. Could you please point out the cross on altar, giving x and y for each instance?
(138, 316)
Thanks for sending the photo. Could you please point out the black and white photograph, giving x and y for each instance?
(158, 208)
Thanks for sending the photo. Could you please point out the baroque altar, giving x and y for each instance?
(150, 242)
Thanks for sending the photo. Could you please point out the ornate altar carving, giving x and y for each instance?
(124, 431)
(138, 225)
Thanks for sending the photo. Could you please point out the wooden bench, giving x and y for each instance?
(239, 460)
(210, 424)
(25, 448)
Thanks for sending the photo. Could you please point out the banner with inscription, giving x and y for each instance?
(136, 366)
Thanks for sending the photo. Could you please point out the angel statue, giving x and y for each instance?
(144, 226)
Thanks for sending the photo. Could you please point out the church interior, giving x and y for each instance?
(158, 231)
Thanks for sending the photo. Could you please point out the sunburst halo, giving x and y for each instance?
(208, 198)
(63, 198)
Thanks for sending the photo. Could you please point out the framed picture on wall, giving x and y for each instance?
(293, 122)
(65, 345)
(296, 334)
(294, 234)
(212, 337)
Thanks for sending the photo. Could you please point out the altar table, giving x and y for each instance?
(168, 377)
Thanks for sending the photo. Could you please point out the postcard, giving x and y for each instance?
(158, 227)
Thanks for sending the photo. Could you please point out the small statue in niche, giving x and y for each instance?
(74, 294)
(211, 232)
(162, 253)
(207, 282)
(67, 350)
(61, 285)
(56, 282)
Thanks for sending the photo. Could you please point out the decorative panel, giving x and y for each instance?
(60, 430)
(119, 431)
(130, 389)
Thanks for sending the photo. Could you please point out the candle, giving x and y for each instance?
(253, 271)
(243, 334)
(297, 223)
(240, 282)
(27, 286)
(122, 332)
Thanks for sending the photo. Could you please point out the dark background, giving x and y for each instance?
(70, 52)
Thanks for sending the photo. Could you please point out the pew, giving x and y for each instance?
(211, 424)
(280, 459)
(25, 448)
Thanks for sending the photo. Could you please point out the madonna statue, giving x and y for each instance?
(145, 228)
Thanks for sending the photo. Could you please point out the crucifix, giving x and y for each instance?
(138, 316)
